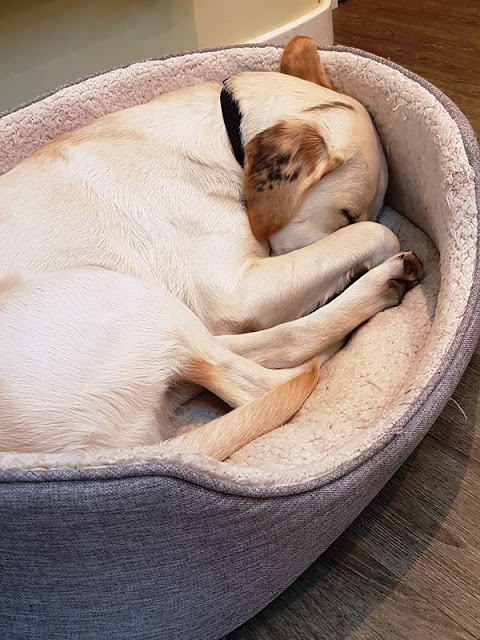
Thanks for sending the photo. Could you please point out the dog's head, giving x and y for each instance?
(319, 166)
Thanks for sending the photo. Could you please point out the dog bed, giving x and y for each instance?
(150, 543)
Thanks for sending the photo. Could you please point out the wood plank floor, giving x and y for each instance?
(409, 567)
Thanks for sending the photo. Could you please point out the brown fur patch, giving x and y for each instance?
(201, 372)
(283, 153)
(54, 150)
(330, 105)
(301, 59)
(10, 281)
(57, 149)
(281, 163)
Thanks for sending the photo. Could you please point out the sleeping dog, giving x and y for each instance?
(192, 239)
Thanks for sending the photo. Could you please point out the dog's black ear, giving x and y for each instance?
(281, 163)
(301, 59)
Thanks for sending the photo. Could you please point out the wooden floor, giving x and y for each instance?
(409, 566)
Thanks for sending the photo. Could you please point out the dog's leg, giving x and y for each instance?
(322, 332)
(223, 436)
(87, 358)
(263, 398)
(233, 378)
(281, 288)
(283, 346)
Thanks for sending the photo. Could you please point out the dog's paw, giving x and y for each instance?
(406, 267)
(412, 268)
(405, 271)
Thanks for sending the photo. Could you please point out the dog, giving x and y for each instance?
(194, 239)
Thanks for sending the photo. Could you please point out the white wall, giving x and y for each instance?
(221, 22)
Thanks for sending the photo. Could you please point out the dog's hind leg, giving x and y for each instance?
(87, 358)
(264, 398)
(232, 377)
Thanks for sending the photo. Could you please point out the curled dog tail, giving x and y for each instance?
(225, 435)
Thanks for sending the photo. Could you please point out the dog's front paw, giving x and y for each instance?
(405, 271)
(412, 268)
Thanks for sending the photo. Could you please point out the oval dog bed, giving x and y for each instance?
(150, 543)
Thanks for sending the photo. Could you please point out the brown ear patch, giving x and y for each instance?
(281, 164)
(301, 59)
(283, 153)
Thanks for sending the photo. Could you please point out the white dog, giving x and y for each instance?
(191, 239)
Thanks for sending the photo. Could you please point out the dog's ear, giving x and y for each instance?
(301, 59)
(281, 164)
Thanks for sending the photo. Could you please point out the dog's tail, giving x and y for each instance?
(223, 436)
